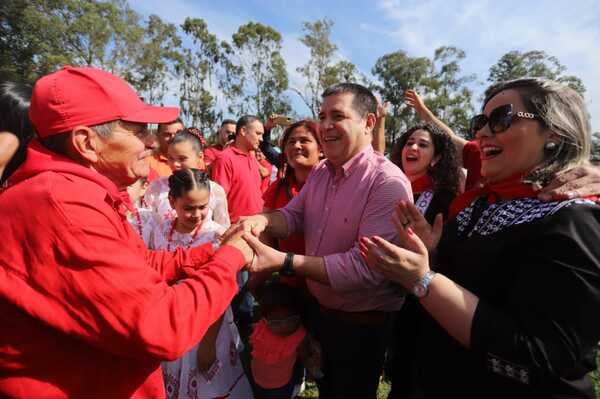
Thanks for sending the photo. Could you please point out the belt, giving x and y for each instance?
(370, 318)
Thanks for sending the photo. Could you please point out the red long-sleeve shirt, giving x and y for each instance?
(85, 309)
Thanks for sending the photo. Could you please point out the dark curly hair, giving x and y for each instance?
(444, 173)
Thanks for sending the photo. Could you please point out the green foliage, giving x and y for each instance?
(197, 71)
(320, 71)
(438, 80)
(595, 150)
(152, 51)
(256, 76)
(514, 65)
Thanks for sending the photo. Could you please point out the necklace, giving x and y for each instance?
(172, 230)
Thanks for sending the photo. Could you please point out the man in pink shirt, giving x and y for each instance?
(349, 195)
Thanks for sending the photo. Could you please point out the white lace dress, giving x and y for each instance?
(183, 380)
(157, 200)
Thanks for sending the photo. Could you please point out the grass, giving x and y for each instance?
(312, 391)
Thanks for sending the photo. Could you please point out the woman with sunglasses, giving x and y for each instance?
(513, 288)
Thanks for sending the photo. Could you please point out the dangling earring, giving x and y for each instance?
(550, 146)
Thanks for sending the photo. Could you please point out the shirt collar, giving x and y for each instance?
(353, 163)
(40, 159)
(238, 151)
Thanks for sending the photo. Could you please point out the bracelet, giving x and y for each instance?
(287, 269)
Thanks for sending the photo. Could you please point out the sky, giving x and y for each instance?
(367, 30)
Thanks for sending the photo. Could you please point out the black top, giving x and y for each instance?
(536, 270)
(440, 203)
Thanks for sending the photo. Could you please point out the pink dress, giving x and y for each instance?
(273, 356)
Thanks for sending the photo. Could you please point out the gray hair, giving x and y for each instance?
(562, 110)
(105, 129)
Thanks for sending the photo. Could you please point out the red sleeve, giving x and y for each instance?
(472, 163)
(90, 280)
(222, 173)
(171, 265)
(209, 155)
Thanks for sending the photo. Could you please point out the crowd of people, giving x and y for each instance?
(145, 263)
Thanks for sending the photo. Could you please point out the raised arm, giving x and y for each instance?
(413, 100)
(379, 129)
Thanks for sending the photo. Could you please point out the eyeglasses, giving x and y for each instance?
(499, 120)
(274, 323)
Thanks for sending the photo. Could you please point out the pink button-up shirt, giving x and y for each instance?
(334, 210)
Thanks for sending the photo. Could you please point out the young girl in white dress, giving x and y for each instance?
(212, 369)
(185, 152)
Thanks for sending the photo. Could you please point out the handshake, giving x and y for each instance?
(244, 234)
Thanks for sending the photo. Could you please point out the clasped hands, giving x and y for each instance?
(244, 234)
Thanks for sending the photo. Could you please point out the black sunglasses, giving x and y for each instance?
(499, 120)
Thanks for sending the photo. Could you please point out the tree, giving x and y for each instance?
(197, 71)
(595, 150)
(256, 76)
(39, 36)
(148, 58)
(438, 80)
(536, 63)
(320, 72)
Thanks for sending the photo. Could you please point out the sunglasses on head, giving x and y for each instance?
(499, 120)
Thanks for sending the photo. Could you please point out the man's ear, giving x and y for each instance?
(371, 120)
(85, 144)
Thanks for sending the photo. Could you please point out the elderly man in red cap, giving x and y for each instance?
(86, 311)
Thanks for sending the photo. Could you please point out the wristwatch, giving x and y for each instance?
(288, 265)
(421, 287)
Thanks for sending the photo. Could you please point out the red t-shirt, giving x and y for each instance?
(212, 153)
(237, 172)
(472, 163)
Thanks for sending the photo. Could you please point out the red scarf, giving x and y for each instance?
(512, 187)
(422, 184)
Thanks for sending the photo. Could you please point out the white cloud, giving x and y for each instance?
(487, 29)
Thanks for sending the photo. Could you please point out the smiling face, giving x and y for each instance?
(301, 149)
(518, 149)
(122, 156)
(417, 154)
(191, 208)
(344, 132)
(182, 156)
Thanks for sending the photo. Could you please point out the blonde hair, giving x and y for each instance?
(562, 110)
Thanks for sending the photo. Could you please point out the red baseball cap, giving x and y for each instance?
(77, 96)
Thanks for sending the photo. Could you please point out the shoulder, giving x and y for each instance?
(551, 216)
(384, 172)
(216, 188)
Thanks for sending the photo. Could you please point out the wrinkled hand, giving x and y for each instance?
(406, 215)
(578, 182)
(250, 224)
(413, 100)
(267, 259)
(236, 240)
(402, 265)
